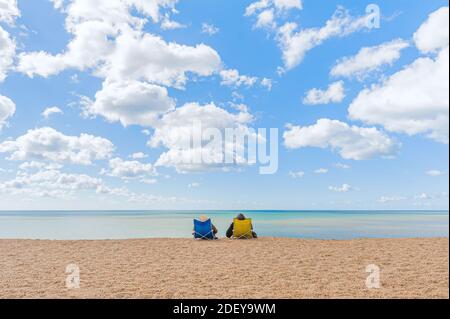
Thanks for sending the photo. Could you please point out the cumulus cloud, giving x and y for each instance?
(412, 101)
(34, 165)
(434, 173)
(321, 171)
(432, 35)
(48, 144)
(342, 166)
(193, 185)
(58, 4)
(50, 111)
(423, 196)
(52, 183)
(7, 52)
(233, 78)
(344, 188)
(369, 59)
(176, 129)
(129, 103)
(209, 29)
(267, 83)
(9, 11)
(334, 94)
(138, 155)
(266, 19)
(296, 43)
(295, 175)
(281, 5)
(7, 109)
(351, 142)
(267, 10)
(168, 24)
(388, 199)
(168, 64)
(108, 39)
(49, 183)
(128, 170)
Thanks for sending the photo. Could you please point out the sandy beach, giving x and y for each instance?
(263, 268)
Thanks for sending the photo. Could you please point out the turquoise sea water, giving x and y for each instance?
(178, 224)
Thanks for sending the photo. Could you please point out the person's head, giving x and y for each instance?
(240, 217)
(203, 218)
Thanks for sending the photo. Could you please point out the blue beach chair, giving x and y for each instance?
(203, 229)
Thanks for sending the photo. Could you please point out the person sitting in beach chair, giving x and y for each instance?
(241, 228)
(204, 228)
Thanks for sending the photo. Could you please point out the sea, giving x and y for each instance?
(90, 225)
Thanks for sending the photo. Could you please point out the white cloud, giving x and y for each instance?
(288, 4)
(31, 165)
(414, 100)
(168, 24)
(321, 171)
(8, 11)
(266, 19)
(7, 52)
(130, 103)
(41, 63)
(369, 59)
(128, 170)
(49, 183)
(233, 78)
(341, 165)
(334, 94)
(209, 29)
(345, 188)
(387, 199)
(423, 196)
(193, 185)
(267, 83)
(175, 130)
(296, 175)
(433, 33)
(108, 39)
(352, 142)
(58, 4)
(51, 110)
(256, 6)
(39, 165)
(138, 155)
(295, 44)
(434, 173)
(7, 109)
(268, 12)
(48, 144)
(168, 64)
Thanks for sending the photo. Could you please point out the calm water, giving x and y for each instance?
(148, 224)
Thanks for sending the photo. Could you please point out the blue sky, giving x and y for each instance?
(115, 75)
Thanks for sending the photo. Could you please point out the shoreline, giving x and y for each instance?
(268, 267)
(219, 239)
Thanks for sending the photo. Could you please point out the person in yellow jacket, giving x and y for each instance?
(231, 228)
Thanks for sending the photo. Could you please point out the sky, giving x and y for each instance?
(98, 99)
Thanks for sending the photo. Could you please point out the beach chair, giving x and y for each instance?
(242, 229)
(203, 229)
